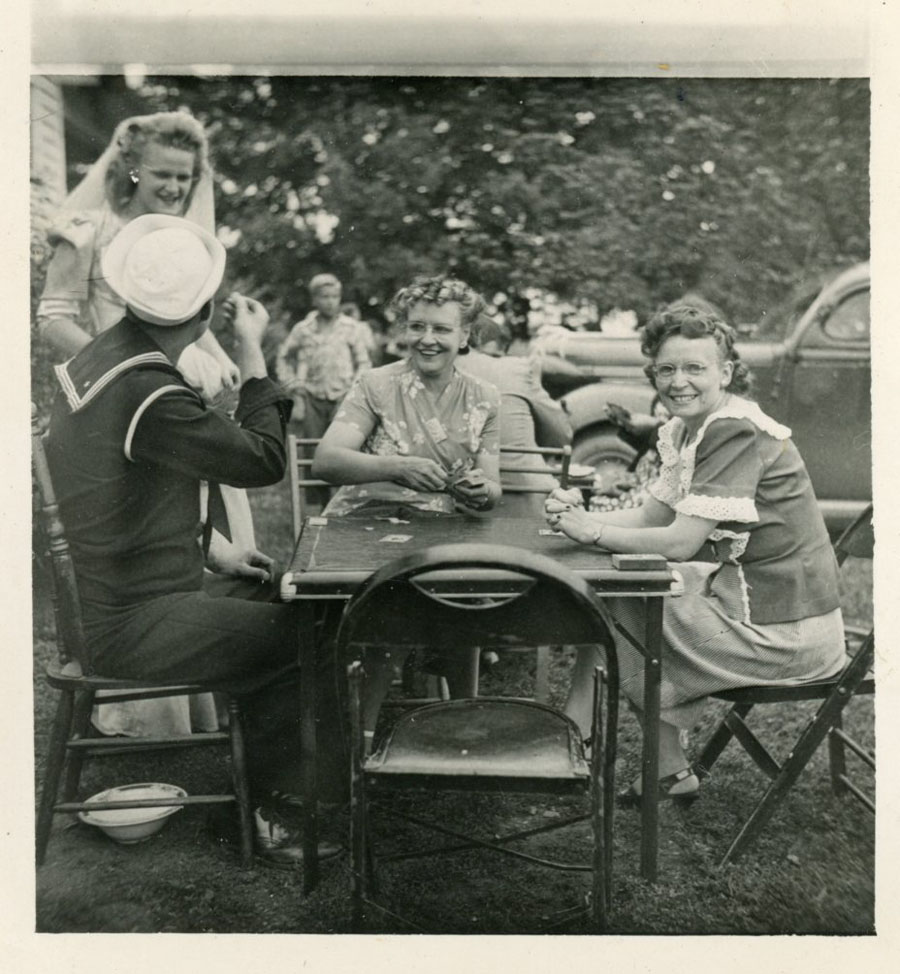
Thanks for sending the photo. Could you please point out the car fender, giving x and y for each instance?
(586, 405)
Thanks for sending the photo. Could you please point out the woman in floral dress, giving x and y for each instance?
(416, 435)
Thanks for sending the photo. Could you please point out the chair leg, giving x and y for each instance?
(358, 851)
(719, 740)
(542, 675)
(837, 759)
(56, 758)
(609, 766)
(827, 717)
(599, 859)
(408, 674)
(241, 784)
(789, 773)
(461, 673)
(84, 705)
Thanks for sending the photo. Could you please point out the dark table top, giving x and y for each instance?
(335, 555)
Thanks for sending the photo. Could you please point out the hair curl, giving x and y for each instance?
(692, 321)
(439, 290)
(175, 130)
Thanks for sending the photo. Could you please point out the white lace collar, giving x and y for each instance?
(677, 463)
(735, 407)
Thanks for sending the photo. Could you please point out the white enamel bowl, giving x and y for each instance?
(130, 825)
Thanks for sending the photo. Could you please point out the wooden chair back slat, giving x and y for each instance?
(299, 464)
(71, 644)
(562, 455)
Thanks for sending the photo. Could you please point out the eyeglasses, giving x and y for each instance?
(692, 369)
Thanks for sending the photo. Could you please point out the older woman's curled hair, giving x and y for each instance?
(692, 321)
(439, 290)
(176, 130)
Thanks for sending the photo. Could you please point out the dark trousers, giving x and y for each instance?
(233, 636)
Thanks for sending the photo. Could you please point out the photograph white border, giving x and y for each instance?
(810, 36)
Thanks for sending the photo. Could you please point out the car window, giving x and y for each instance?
(778, 321)
(849, 321)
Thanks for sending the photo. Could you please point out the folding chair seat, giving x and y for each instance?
(854, 680)
(73, 676)
(483, 744)
(300, 459)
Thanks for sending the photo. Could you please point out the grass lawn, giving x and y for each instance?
(811, 873)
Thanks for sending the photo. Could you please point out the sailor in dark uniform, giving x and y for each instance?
(129, 444)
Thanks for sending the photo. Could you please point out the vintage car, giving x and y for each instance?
(811, 366)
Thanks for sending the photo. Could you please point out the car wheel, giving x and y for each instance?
(607, 453)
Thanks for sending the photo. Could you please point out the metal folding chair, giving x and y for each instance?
(855, 679)
(72, 674)
(484, 744)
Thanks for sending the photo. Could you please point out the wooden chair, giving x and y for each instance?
(74, 677)
(559, 458)
(485, 744)
(835, 694)
(300, 451)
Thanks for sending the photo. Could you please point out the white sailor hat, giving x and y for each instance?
(165, 268)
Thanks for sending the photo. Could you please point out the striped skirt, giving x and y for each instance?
(706, 648)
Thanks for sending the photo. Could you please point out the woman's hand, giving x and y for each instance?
(575, 522)
(563, 500)
(475, 490)
(420, 473)
(247, 563)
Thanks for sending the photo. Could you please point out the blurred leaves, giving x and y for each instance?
(621, 192)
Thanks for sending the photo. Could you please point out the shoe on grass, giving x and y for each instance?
(280, 844)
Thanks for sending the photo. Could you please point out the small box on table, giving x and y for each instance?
(639, 563)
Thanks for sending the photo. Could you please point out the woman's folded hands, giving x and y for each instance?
(564, 511)
(559, 500)
(474, 489)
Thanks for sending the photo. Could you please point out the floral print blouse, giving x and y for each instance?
(397, 415)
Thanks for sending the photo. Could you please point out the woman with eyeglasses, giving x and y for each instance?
(735, 507)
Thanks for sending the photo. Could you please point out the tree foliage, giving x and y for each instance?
(619, 192)
(612, 192)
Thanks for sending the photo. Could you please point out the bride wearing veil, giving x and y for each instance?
(154, 164)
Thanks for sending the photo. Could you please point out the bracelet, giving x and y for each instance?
(598, 534)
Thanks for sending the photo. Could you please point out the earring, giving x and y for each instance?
(464, 347)
(133, 176)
